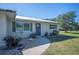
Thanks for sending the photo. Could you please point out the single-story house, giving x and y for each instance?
(13, 25)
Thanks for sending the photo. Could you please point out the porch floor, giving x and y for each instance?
(31, 47)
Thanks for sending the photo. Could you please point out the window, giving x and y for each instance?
(19, 26)
(53, 26)
(13, 27)
(27, 26)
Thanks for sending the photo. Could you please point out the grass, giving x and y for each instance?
(64, 44)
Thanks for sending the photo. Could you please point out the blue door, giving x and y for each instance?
(38, 29)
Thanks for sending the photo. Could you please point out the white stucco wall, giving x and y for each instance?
(23, 33)
(45, 27)
(8, 25)
(3, 28)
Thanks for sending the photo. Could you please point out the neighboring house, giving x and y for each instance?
(13, 25)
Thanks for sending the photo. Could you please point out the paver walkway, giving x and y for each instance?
(37, 46)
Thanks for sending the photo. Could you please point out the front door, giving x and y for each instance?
(38, 29)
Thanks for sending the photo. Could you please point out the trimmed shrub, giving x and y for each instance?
(51, 34)
(46, 34)
(55, 32)
(33, 35)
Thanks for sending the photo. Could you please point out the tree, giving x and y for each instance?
(76, 26)
(66, 20)
(69, 20)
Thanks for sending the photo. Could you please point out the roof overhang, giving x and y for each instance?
(9, 13)
(33, 19)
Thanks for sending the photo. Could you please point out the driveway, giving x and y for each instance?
(36, 46)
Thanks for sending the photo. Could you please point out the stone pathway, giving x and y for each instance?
(37, 46)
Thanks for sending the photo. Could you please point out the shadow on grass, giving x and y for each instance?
(60, 38)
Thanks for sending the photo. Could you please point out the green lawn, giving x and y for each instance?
(64, 44)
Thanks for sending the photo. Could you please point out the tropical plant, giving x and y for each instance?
(11, 41)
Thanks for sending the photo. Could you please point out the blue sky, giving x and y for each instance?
(42, 10)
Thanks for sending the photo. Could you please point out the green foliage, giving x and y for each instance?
(55, 32)
(76, 26)
(66, 20)
(33, 35)
(46, 34)
(11, 41)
